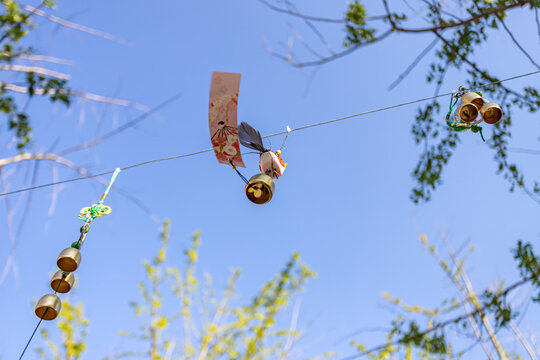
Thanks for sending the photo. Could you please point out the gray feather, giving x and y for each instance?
(249, 137)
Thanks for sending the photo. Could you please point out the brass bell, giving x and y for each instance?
(48, 307)
(69, 259)
(260, 189)
(491, 113)
(62, 284)
(472, 98)
(466, 113)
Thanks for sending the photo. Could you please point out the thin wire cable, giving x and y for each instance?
(41, 319)
(32, 336)
(269, 136)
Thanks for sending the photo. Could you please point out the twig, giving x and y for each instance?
(525, 151)
(170, 349)
(62, 161)
(313, 18)
(75, 26)
(537, 22)
(305, 44)
(452, 25)
(10, 262)
(85, 95)
(524, 342)
(413, 64)
(34, 57)
(313, 28)
(119, 129)
(485, 321)
(56, 190)
(516, 42)
(440, 325)
(511, 35)
(34, 69)
(292, 329)
(21, 21)
(468, 295)
(338, 55)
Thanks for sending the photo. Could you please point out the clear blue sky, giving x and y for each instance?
(343, 202)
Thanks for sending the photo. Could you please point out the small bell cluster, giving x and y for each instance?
(471, 104)
(48, 307)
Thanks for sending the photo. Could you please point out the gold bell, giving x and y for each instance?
(491, 113)
(48, 307)
(69, 259)
(472, 98)
(62, 284)
(260, 189)
(466, 113)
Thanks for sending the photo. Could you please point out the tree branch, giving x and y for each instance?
(523, 341)
(451, 25)
(440, 325)
(34, 69)
(471, 297)
(85, 95)
(119, 129)
(75, 26)
(330, 58)
(84, 172)
(313, 18)
(516, 42)
(413, 64)
(34, 57)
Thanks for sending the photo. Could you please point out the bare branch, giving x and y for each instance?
(10, 262)
(41, 156)
(314, 29)
(475, 67)
(84, 172)
(170, 350)
(537, 22)
(452, 25)
(516, 42)
(75, 26)
(524, 341)
(119, 129)
(34, 69)
(313, 18)
(413, 64)
(330, 58)
(292, 329)
(34, 57)
(56, 190)
(524, 151)
(511, 35)
(469, 296)
(440, 325)
(306, 45)
(85, 95)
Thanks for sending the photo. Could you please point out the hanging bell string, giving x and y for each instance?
(99, 209)
(238, 172)
(88, 214)
(114, 175)
(286, 136)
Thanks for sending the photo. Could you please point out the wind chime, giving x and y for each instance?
(466, 115)
(48, 307)
(226, 138)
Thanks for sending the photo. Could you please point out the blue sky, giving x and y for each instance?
(343, 202)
